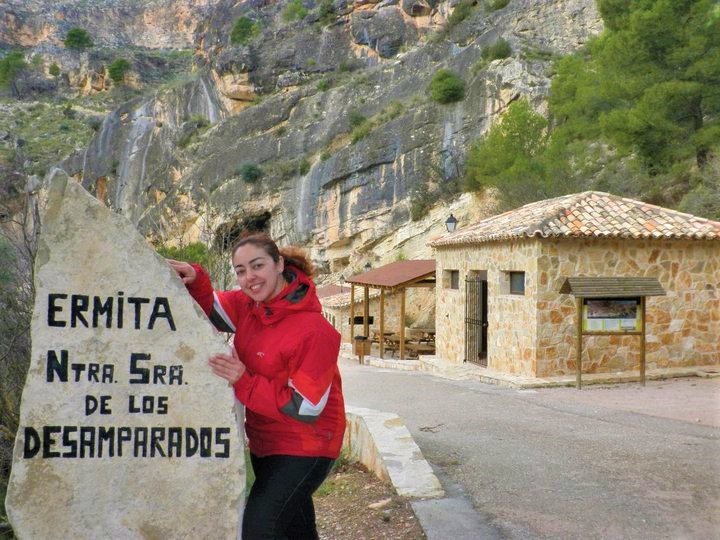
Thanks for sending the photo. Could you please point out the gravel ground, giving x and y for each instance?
(353, 504)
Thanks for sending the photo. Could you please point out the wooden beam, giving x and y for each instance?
(366, 312)
(642, 342)
(381, 339)
(402, 324)
(578, 353)
(352, 312)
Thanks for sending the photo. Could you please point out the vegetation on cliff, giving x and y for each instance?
(10, 68)
(78, 39)
(635, 113)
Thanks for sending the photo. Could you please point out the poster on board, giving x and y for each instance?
(611, 315)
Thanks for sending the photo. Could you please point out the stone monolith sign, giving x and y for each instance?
(124, 431)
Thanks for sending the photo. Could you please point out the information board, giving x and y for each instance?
(611, 315)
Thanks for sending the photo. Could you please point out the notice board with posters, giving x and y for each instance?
(611, 315)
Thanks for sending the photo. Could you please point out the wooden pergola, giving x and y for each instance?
(391, 278)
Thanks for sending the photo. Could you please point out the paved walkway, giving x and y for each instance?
(604, 462)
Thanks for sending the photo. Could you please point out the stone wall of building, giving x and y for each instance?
(511, 318)
(683, 328)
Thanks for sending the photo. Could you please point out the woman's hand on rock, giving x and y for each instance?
(186, 271)
(227, 366)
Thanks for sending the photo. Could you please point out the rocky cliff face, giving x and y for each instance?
(289, 103)
(124, 28)
(155, 24)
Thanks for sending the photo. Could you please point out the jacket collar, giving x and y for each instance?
(297, 296)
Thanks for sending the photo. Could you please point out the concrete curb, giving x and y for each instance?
(382, 443)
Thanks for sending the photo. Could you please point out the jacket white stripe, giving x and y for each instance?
(218, 309)
(307, 408)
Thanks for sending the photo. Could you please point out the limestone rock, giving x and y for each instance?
(236, 86)
(124, 431)
(416, 8)
(382, 30)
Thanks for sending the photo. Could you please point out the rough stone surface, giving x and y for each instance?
(286, 96)
(67, 480)
(383, 30)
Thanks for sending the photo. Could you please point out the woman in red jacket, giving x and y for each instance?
(284, 370)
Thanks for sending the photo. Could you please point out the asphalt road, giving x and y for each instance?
(561, 464)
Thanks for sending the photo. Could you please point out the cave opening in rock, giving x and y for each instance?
(228, 233)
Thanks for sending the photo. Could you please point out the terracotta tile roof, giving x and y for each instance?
(342, 300)
(331, 290)
(396, 273)
(588, 214)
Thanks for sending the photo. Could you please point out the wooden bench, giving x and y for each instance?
(416, 349)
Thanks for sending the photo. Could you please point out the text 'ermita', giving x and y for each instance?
(78, 310)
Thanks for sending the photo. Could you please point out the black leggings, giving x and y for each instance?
(280, 504)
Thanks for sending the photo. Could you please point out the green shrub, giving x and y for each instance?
(244, 30)
(326, 11)
(539, 54)
(54, 70)
(460, 13)
(118, 69)
(197, 252)
(500, 49)
(446, 87)
(360, 132)
(324, 84)
(10, 68)
(250, 172)
(347, 66)
(285, 169)
(195, 126)
(78, 39)
(356, 119)
(294, 11)
(325, 155)
(494, 5)
(421, 200)
(304, 166)
(391, 111)
(94, 123)
(200, 121)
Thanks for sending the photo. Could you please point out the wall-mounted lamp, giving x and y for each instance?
(367, 266)
(451, 223)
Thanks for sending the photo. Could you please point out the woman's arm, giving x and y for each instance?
(302, 397)
(222, 308)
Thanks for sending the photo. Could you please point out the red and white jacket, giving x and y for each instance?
(291, 388)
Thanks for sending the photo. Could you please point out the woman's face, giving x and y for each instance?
(257, 274)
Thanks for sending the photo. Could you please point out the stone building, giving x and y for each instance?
(498, 299)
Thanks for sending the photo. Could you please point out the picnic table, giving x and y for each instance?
(413, 346)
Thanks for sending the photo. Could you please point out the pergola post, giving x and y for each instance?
(381, 339)
(366, 312)
(402, 324)
(352, 312)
